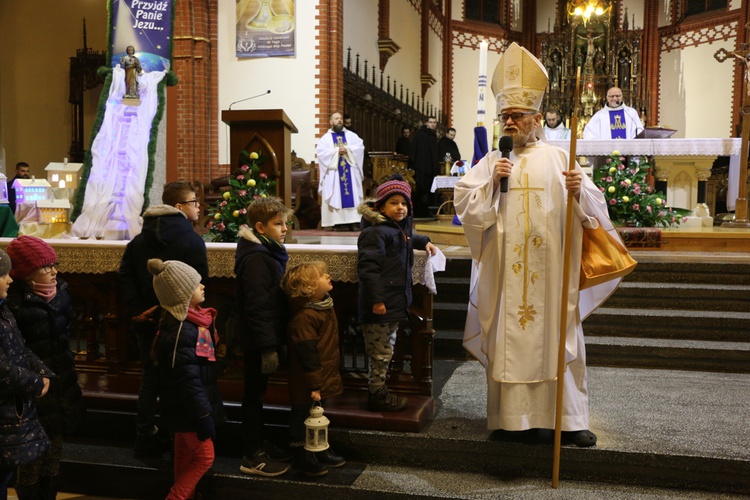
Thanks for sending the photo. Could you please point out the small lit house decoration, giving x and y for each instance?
(31, 190)
(3, 188)
(316, 427)
(53, 211)
(64, 175)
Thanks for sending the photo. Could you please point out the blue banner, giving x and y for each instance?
(144, 25)
(480, 145)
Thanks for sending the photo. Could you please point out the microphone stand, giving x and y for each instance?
(248, 98)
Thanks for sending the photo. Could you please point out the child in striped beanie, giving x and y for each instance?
(385, 258)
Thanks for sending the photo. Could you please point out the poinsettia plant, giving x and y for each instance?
(630, 198)
(245, 184)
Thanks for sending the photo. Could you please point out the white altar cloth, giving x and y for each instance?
(655, 147)
(444, 182)
(668, 147)
(92, 256)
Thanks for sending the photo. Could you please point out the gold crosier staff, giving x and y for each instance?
(564, 299)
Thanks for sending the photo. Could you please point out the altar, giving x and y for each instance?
(106, 354)
(681, 166)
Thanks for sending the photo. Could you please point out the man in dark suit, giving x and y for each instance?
(424, 161)
(403, 145)
(22, 172)
(447, 146)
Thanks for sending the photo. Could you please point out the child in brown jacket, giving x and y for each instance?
(314, 361)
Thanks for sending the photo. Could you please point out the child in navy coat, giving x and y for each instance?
(23, 378)
(184, 354)
(385, 258)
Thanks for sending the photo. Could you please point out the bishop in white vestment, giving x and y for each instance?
(516, 240)
(340, 155)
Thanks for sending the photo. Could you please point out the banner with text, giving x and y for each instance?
(265, 28)
(145, 25)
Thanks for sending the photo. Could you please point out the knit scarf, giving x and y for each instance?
(203, 318)
(278, 250)
(320, 305)
(47, 291)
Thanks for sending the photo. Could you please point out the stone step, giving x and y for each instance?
(661, 268)
(723, 357)
(452, 289)
(669, 324)
(727, 273)
(693, 296)
(673, 354)
(666, 429)
(105, 470)
(449, 315)
(448, 344)
(653, 323)
(714, 286)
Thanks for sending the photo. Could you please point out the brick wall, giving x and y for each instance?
(193, 117)
(329, 22)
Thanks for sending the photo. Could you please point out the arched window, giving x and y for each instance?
(700, 6)
(482, 10)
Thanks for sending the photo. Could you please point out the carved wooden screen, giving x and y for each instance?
(609, 55)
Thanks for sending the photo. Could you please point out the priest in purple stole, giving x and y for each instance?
(340, 155)
(613, 121)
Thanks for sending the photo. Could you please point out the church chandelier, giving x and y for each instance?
(587, 8)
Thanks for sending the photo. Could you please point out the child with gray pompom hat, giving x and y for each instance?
(184, 353)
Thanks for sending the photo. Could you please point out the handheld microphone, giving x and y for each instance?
(505, 145)
(248, 98)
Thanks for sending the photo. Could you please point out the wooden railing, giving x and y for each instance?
(104, 346)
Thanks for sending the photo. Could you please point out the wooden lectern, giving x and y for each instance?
(269, 131)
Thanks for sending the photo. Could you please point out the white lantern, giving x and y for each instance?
(316, 426)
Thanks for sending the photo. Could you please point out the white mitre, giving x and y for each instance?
(519, 80)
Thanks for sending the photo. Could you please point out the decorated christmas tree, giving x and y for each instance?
(630, 198)
(246, 184)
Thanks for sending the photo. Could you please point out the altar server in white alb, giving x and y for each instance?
(340, 157)
(554, 128)
(613, 121)
(516, 241)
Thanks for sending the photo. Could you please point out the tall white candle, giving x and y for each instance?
(483, 45)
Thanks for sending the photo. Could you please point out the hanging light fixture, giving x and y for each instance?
(587, 8)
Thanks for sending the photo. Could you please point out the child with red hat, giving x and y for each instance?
(24, 379)
(41, 304)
